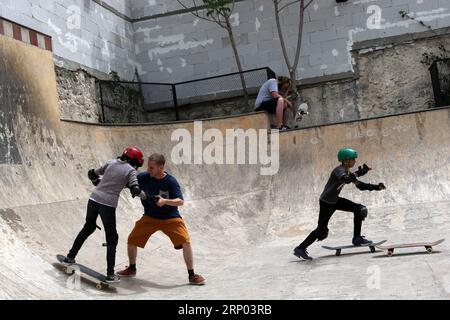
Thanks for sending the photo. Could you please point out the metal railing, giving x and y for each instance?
(440, 79)
(132, 102)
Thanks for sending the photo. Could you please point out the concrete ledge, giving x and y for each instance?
(150, 17)
(171, 13)
(370, 118)
(113, 10)
(248, 114)
(160, 123)
(400, 39)
(309, 82)
(75, 66)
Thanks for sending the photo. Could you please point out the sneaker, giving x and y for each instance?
(302, 254)
(196, 279)
(127, 273)
(359, 241)
(112, 278)
(282, 128)
(68, 261)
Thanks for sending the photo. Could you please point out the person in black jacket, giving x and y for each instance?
(330, 201)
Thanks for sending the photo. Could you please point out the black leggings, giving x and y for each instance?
(326, 211)
(108, 216)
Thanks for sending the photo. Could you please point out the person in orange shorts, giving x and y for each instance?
(162, 198)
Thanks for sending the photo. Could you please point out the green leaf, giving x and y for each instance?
(114, 76)
(218, 7)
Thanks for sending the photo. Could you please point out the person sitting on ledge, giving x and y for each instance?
(272, 97)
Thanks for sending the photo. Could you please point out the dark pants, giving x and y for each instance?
(269, 105)
(326, 211)
(108, 216)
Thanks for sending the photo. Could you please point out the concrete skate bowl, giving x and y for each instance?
(243, 225)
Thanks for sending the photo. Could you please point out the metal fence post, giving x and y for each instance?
(175, 102)
(270, 73)
(101, 102)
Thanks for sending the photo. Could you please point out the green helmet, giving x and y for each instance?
(347, 153)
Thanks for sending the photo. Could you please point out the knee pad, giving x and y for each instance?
(361, 213)
(323, 234)
(112, 240)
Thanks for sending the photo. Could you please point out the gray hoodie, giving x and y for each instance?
(116, 175)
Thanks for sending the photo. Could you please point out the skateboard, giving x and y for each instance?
(98, 278)
(302, 110)
(428, 246)
(370, 245)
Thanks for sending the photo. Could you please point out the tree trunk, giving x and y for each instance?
(291, 68)
(299, 46)
(281, 36)
(236, 56)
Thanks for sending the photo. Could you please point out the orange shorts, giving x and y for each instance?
(174, 228)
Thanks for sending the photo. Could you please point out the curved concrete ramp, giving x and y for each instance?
(243, 225)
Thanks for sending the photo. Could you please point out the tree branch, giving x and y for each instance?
(281, 36)
(300, 35)
(196, 14)
(307, 5)
(220, 22)
(232, 6)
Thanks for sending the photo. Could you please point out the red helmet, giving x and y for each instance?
(134, 155)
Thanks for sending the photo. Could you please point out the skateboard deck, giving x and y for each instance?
(428, 246)
(339, 248)
(98, 278)
(302, 110)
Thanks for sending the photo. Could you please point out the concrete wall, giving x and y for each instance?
(78, 95)
(390, 77)
(182, 47)
(82, 31)
(255, 220)
(168, 46)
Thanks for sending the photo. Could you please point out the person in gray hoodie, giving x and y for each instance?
(117, 174)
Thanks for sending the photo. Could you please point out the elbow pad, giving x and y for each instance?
(135, 190)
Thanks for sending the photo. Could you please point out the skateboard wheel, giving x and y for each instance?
(429, 249)
(99, 286)
(68, 270)
(338, 252)
(372, 249)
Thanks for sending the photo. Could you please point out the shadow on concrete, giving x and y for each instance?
(350, 254)
(111, 288)
(405, 254)
(135, 283)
